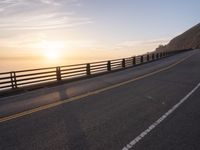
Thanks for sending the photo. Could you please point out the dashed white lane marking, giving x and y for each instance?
(156, 123)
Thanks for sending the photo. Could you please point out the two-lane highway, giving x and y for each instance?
(111, 118)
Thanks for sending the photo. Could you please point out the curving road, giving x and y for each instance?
(150, 107)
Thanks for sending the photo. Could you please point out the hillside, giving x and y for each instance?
(187, 40)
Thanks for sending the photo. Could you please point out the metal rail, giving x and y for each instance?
(26, 78)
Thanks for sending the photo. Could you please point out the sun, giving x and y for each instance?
(52, 50)
(52, 54)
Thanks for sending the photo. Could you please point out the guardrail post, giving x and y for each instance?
(58, 74)
(134, 60)
(88, 72)
(123, 63)
(157, 55)
(13, 80)
(161, 54)
(147, 57)
(109, 66)
(153, 56)
(141, 59)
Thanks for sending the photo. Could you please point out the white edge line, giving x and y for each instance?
(156, 123)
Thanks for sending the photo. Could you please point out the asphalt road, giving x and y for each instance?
(110, 119)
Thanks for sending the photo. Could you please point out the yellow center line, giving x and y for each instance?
(28, 112)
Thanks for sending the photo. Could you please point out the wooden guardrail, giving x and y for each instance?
(25, 78)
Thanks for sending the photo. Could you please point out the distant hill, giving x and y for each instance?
(187, 40)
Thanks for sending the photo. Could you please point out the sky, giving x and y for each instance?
(98, 29)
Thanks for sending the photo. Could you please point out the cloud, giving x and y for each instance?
(140, 47)
(144, 42)
(39, 14)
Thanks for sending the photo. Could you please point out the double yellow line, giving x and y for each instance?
(28, 112)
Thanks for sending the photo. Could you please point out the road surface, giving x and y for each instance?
(110, 112)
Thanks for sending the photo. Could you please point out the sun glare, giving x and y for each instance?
(52, 50)
(52, 54)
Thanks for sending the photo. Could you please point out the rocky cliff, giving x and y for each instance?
(187, 40)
